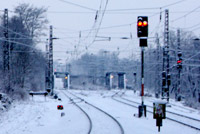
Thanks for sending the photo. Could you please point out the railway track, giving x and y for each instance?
(85, 113)
(187, 121)
(180, 115)
(121, 96)
(99, 109)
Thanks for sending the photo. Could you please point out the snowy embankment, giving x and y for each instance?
(5, 102)
(40, 116)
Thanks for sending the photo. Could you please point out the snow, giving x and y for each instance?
(40, 116)
(178, 107)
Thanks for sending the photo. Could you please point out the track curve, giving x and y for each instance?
(99, 109)
(88, 117)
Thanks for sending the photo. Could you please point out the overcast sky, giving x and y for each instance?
(73, 20)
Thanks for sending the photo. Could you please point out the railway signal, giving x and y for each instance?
(142, 33)
(60, 107)
(142, 26)
(179, 61)
(179, 67)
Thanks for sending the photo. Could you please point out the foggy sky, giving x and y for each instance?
(70, 22)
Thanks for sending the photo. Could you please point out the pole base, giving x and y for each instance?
(142, 110)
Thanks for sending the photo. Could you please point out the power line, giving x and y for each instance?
(99, 25)
(151, 8)
(115, 26)
(172, 4)
(107, 12)
(122, 25)
(192, 26)
(130, 9)
(186, 14)
(133, 22)
(196, 29)
(93, 27)
(17, 43)
(84, 7)
(97, 30)
(15, 32)
(117, 12)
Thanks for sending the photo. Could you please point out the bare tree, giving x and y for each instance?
(26, 62)
(33, 18)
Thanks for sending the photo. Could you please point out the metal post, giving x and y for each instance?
(142, 30)
(47, 67)
(167, 43)
(142, 75)
(51, 59)
(110, 81)
(6, 52)
(179, 70)
(157, 85)
(68, 81)
(124, 81)
(165, 89)
(135, 82)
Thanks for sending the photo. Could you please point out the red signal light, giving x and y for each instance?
(145, 23)
(140, 23)
(179, 61)
(60, 107)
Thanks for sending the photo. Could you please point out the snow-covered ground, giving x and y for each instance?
(40, 116)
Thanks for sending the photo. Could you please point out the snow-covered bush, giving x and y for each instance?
(5, 102)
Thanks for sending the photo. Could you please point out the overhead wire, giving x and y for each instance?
(99, 25)
(122, 25)
(97, 30)
(175, 20)
(132, 22)
(74, 4)
(15, 32)
(17, 43)
(135, 9)
(26, 36)
(117, 12)
(186, 14)
(194, 29)
(94, 24)
(90, 32)
(172, 4)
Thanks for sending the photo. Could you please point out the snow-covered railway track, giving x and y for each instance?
(84, 112)
(100, 110)
(173, 113)
(170, 112)
(172, 118)
(180, 108)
